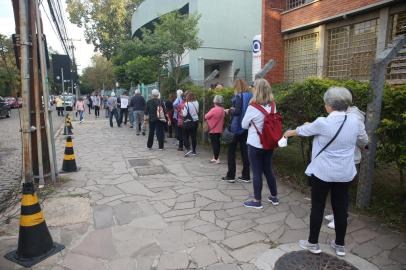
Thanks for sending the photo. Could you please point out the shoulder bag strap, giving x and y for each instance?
(332, 139)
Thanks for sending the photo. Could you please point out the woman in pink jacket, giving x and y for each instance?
(215, 124)
(80, 108)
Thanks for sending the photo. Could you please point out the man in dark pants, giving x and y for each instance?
(112, 103)
(124, 100)
(231, 155)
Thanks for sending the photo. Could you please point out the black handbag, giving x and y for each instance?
(227, 136)
(188, 122)
(309, 179)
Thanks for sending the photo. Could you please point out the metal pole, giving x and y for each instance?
(45, 85)
(63, 91)
(25, 88)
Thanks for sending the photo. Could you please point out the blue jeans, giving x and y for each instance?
(261, 163)
(81, 115)
(114, 113)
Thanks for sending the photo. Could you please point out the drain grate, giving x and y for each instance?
(139, 162)
(151, 170)
(299, 260)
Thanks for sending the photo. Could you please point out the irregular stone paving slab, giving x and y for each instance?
(204, 255)
(135, 188)
(67, 210)
(139, 162)
(103, 216)
(248, 253)
(80, 262)
(97, 244)
(152, 170)
(223, 267)
(215, 195)
(244, 239)
(170, 261)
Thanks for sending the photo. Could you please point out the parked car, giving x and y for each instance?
(68, 101)
(12, 102)
(5, 109)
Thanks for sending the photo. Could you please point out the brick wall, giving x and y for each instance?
(272, 40)
(320, 10)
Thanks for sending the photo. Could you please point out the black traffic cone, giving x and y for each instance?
(34, 240)
(69, 163)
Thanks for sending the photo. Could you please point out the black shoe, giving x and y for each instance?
(228, 179)
(143, 134)
(244, 180)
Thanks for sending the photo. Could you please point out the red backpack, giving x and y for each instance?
(272, 128)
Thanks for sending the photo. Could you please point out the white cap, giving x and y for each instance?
(155, 92)
(113, 94)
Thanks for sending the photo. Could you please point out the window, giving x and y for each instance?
(290, 4)
(301, 57)
(351, 51)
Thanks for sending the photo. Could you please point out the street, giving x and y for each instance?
(133, 208)
(10, 154)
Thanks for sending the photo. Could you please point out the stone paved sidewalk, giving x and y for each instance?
(132, 208)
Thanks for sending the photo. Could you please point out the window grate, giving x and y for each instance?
(351, 51)
(301, 57)
(291, 4)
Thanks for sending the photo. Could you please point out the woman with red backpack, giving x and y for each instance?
(262, 123)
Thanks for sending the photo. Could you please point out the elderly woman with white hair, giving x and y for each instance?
(156, 116)
(332, 167)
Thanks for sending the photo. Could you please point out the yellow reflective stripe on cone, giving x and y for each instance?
(69, 144)
(28, 200)
(31, 220)
(69, 157)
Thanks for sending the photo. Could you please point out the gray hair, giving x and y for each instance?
(338, 98)
(155, 93)
(137, 92)
(218, 99)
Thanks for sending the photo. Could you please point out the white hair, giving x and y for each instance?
(137, 91)
(113, 94)
(218, 99)
(338, 98)
(155, 93)
(179, 93)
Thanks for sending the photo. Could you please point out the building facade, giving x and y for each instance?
(331, 38)
(226, 28)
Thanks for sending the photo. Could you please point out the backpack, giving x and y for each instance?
(160, 114)
(272, 128)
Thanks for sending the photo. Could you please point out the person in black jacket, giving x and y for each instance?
(137, 103)
(155, 115)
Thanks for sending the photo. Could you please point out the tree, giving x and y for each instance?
(9, 74)
(392, 129)
(98, 75)
(178, 33)
(107, 23)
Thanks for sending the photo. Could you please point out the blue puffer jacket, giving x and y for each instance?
(240, 103)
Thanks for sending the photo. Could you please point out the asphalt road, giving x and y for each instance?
(10, 154)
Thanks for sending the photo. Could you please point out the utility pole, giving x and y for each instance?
(21, 15)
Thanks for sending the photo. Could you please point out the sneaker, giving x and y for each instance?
(149, 148)
(138, 134)
(244, 180)
(329, 217)
(228, 179)
(331, 225)
(213, 160)
(194, 153)
(188, 152)
(253, 204)
(143, 134)
(218, 161)
(340, 250)
(180, 149)
(160, 149)
(313, 248)
(273, 200)
(133, 127)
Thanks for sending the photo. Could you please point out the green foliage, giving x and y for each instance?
(392, 129)
(107, 23)
(9, 74)
(99, 74)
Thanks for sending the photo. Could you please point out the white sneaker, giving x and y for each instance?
(329, 217)
(213, 160)
(331, 225)
(218, 161)
(340, 250)
(313, 248)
